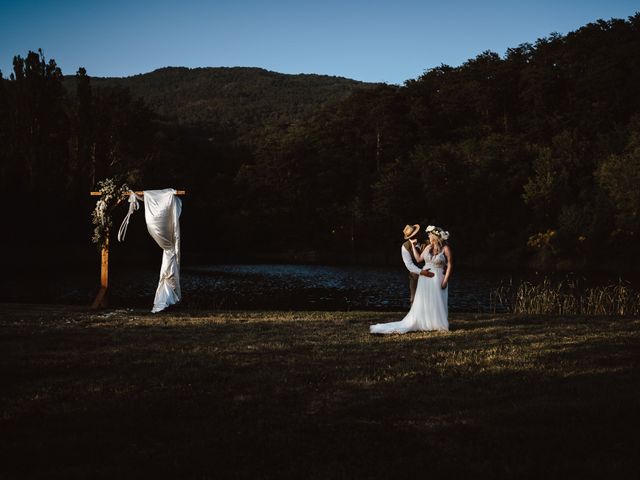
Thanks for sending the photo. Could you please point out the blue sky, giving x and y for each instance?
(375, 40)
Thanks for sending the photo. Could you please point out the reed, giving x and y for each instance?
(566, 298)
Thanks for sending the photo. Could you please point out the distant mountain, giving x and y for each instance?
(231, 97)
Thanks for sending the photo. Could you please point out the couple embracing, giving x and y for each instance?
(428, 285)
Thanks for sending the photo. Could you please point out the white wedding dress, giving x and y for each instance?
(429, 310)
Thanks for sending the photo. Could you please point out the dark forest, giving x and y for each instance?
(530, 159)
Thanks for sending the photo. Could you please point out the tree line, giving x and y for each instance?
(531, 158)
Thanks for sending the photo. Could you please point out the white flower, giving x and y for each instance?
(101, 208)
(443, 234)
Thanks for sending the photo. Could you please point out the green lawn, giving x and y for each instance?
(125, 393)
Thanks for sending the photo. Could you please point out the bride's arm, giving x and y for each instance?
(447, 253)
(418, 256)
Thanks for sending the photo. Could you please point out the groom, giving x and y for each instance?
(411, 233)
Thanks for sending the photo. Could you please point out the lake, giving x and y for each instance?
(273, 287)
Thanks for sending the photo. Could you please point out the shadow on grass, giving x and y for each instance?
(313, 395)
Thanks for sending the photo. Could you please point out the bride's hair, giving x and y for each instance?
(439, 241)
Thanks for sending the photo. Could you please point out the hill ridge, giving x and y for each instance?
(246, 98)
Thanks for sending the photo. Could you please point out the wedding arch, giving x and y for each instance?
(162, 215)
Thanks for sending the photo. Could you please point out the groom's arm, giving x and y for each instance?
(406, 258)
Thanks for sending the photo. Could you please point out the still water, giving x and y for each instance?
(281, 287)
(296, 287)
(323, 287)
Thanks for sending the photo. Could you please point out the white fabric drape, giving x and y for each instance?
(133, 207)
(162, 213)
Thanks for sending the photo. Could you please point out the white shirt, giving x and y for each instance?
(408, 262)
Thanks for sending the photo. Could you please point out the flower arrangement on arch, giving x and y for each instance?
(110, 196)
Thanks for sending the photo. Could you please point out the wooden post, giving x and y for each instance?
(101, 300)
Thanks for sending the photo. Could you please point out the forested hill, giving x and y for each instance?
(230, 97)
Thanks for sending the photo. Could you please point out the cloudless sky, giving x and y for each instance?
(370, 40)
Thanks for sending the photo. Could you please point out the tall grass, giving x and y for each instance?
(566, 298)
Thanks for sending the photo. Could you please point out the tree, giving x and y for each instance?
(619, 177)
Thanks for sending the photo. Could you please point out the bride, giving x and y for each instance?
(429, 310)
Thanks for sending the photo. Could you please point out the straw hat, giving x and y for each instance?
(409, 231)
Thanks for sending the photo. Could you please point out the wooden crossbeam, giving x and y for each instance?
(97, 194)
(101, 300)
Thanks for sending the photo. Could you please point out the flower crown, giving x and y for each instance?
(443, 234)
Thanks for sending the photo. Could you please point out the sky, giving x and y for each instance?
(374, 41)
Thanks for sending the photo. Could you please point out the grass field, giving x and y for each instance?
(127, 394)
